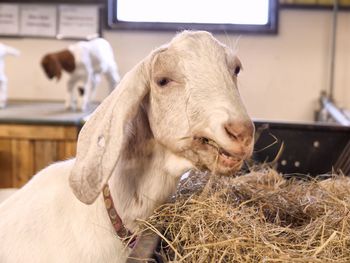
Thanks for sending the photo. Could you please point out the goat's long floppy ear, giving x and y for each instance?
(102, 137)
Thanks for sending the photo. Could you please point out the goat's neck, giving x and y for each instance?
(146, 175)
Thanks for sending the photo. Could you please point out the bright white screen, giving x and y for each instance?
(254, 12)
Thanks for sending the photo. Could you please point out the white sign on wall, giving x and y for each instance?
(38, 20)
(9, 19)
(76, 21)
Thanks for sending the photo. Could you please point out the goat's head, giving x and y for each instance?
(53, 63)
(51, 66)
(193, 106)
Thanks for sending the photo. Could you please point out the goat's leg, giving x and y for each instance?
(85, 94)
(70, 100)
(85, 98)
(3, 93)
(87, 91)
(95, 80)
(112, 77)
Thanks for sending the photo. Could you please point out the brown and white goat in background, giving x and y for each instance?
(177, 109)
(85, 61)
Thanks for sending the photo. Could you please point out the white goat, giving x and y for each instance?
(4, 51)
(6, 193)
(177, 109)
(85, 61)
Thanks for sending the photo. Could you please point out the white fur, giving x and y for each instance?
(140, 140)
(92, 58)
(4, 51)
(6, 193)
(44, 222)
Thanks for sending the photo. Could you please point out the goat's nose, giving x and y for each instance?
(240, 131)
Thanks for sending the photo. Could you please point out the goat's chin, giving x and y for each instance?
(214, 162)
(219, 165)
(224, 169)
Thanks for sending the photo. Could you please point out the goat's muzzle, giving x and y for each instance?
(225, 158)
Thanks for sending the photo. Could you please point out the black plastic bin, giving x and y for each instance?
(308, 149)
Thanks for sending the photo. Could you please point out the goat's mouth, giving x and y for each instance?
(215, 158)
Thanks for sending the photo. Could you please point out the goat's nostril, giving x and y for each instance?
(241, 131)
(231, 133)
(204, 140)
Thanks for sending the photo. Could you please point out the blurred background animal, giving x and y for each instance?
(4, 51)
(85, 61)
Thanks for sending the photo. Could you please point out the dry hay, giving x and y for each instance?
(258, 217)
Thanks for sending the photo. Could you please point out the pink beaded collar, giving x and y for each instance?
(125, 235)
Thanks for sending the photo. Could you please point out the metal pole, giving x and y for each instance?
(334, 112)
(333, 49)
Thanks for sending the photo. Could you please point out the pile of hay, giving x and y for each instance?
(258, 217)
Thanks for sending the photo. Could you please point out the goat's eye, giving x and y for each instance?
(163, 82)
(237, 70)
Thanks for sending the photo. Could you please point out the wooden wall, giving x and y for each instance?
(26, 149)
